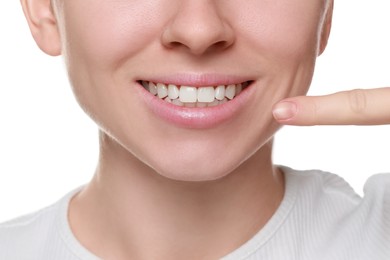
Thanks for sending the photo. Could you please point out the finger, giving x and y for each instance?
(354, 107)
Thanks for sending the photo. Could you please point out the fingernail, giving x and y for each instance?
(284, 111)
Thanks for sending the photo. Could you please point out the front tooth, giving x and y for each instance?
(230, 91)
(220, 92)
(173, 91)
(152, 88)
(188, 94)
(162, 90)
(206, 94)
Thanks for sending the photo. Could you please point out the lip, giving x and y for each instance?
(197, 118)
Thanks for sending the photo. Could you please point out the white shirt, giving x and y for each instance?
(320, 217)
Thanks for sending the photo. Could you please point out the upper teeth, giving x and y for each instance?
(194, 96)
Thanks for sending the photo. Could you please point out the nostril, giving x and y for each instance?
(221, 45)
(197, 32)
(198, 49)
(175, 44)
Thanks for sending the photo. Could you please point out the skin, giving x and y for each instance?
(355, 107)
(159, 184)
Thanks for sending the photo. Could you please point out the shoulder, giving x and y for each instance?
(27, 234)
(342, 221)
(320, 185)
(324, 187)
(378, 185)
(376, 201)
(39, 235)
(329, 185)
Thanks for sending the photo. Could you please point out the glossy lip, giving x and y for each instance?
(198, 118)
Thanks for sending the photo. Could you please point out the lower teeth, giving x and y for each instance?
(177, 102)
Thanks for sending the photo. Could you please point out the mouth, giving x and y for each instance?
(194, 96)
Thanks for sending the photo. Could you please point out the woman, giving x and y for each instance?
(186, 94)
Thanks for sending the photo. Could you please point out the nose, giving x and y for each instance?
(198, 27)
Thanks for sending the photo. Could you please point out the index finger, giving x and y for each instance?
(353, 107)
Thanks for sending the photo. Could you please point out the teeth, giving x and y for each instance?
(190, 96)
(177, 102)
(145, 84)
(190, 104)
(220, 92)
(230, 91)
(238, 89)
(152, 88)
(173, 91)
(201, 104)
(214, 103)
(162, 90)
(206, 94)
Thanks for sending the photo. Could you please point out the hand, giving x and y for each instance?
(354, 107)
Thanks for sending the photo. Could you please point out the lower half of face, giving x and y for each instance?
(189, 90)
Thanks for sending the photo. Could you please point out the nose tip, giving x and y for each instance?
(198, 41)
(198, 29)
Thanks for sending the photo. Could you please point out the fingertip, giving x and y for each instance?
(285, 111)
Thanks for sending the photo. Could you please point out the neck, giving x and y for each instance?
(138, 214)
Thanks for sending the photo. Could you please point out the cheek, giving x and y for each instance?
(286, 40)
(283, 29)
(105, 34)
(100, 38)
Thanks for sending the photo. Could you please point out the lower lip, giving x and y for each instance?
(200, 118)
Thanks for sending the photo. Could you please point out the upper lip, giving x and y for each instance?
(198, 80)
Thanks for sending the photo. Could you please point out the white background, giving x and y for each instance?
(48, 146)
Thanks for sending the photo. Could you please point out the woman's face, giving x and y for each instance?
(112, 48)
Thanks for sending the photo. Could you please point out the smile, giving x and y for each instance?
(191, 96)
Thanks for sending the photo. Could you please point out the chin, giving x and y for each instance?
(195, 172)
